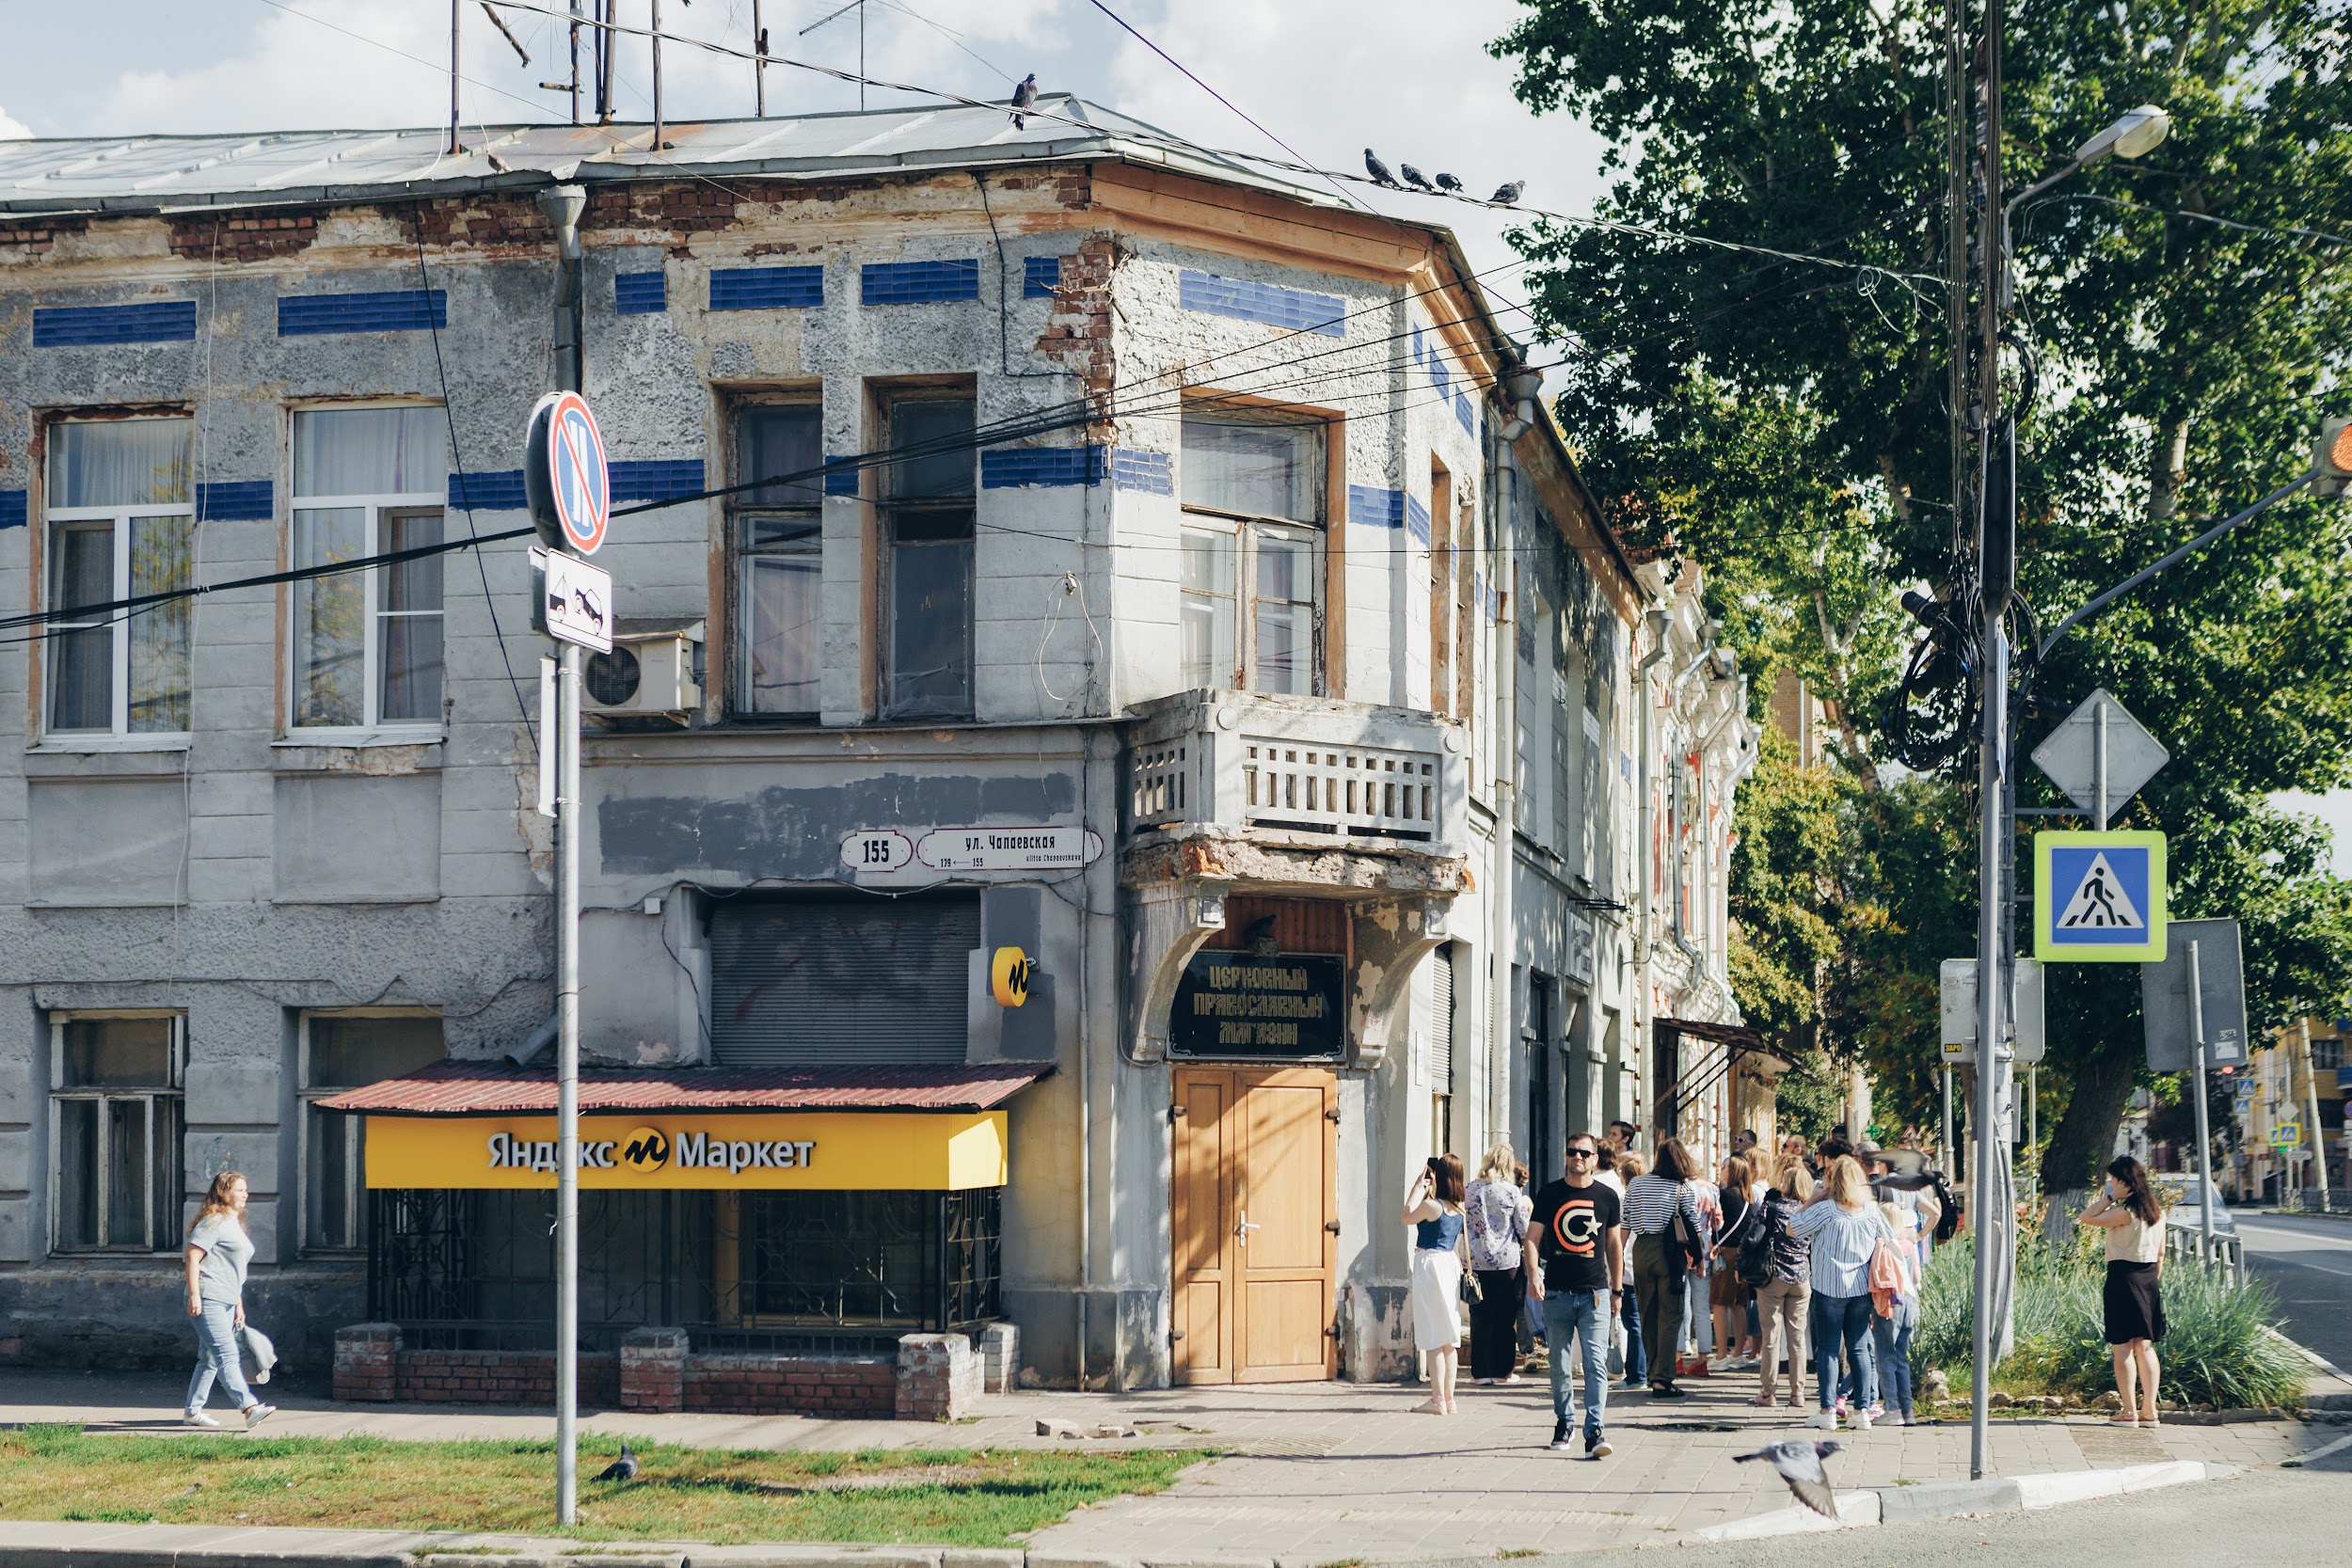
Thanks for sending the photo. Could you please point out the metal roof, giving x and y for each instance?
(494, 1088)
(146, 174)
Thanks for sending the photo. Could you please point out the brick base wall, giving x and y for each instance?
(848, 1387)
(499, 1377)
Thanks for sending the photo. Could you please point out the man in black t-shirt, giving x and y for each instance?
(1576, 1267)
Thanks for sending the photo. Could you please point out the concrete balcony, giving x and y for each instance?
(1305, 774)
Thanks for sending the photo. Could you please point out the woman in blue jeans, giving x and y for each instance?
(217, 1252)
(1843, 1228)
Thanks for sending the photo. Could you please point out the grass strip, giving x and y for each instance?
(955, 1496)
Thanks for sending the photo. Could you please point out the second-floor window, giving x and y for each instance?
(1252, 553)
(367, 644)
(928, 531)
(122, 524)
(778, 533)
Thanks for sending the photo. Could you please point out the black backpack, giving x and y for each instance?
(1947, 1219)
(1755, 1265)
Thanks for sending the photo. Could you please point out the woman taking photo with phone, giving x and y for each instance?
(1434, 1210)
(2129, 1210)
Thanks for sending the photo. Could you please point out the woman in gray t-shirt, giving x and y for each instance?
(217, 1252)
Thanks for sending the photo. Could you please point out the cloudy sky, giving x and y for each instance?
(1325, 76)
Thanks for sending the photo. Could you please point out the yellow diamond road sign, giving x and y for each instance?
(2098, 897)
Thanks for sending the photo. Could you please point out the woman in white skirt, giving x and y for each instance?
(1434, 1210)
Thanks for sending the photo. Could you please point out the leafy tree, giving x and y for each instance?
(1786, 421)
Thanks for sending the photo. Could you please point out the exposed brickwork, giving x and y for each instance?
(652, 1370)
(36, 236)
(499, 1377)
(939, 1377)
(1078, 333)
(366, 1362)
(861, 1388)
(243, 236)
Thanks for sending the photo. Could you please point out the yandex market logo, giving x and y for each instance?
(650, 1150)
(645, 1150)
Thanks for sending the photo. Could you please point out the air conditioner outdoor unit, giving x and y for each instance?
(653, 669)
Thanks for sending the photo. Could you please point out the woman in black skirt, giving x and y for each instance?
(2129, 1210)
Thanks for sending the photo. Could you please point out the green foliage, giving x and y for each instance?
(1785, 423)
(2215, 1349)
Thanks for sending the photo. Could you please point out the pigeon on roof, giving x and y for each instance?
(1378, 170)
(1800, 1465)
(1023, 96)
(1447, 182)
(1414, 178)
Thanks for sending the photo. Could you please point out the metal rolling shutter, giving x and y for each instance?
(1441, 1020)
(841, 980)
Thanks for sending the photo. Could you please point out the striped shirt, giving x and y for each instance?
(1843, 1240)
(1650, 1203)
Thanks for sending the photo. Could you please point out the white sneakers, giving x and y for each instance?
(1825, 1421)
(1862, 1420)
(258, 1413)
(198, 1418)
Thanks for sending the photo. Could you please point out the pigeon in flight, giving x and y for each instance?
(624, 1468)
(1378, 170)
(1023, 96)
(1506, 195)
(1414, 178)
(1447, 182)
(1800, 1465)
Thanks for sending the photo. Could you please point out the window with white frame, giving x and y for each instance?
(346, 1051)
(1253, 552)
(116, 1126)
(778, 533)
(366, 644)
(927, 517)
(122, 524)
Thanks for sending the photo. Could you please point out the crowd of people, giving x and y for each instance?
(1802, 1264)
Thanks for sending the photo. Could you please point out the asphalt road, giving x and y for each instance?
(2266, 1517)
(2309, 1262)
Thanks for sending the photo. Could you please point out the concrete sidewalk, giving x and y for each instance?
(1317, 1473)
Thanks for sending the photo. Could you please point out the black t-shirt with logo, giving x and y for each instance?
(1574, 1222)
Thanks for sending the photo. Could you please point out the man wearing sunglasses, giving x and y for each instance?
(1576, 1267)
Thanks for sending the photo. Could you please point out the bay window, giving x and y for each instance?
(121, 523)
(367, 644)
(1253, 552)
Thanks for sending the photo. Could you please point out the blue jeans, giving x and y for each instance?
(1584, 1315)
(1893, 1337)
(217, 1356)
(1636, 1364)
(1843, 1319)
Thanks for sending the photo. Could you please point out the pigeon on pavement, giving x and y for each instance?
(624, 1468)
(1506, 195)
(1023, 96)
(1378, 170)
(1415, 178)
(1448, 183)
(1800, 1465)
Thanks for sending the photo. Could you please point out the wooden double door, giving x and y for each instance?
(1255, 1224)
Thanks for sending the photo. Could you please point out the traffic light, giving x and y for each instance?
(2331, 458)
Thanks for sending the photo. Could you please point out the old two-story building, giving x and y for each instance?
(1055, 538)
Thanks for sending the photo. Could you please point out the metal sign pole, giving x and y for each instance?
(2196, 1083)
(567, 1091)
(2311, 1095)
(1986, 1204)
(1943, 1150)
(2099, 745)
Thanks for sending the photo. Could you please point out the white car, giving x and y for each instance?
(2182, 1208)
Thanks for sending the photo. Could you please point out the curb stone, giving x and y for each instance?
(1953, 1500)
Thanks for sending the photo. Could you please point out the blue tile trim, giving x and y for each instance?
(1440, 376)
(398, 311)
(1416, 520)
(1008, 468)
(1039, 277)
(1147, 471)
(918, 282)
(1373, 507)
(1463, 412)
(1269, 303)
(502, 491)
(768, 289)
(840, 482)
(640, 293)
(661, 480)
(236, 500)
(12, 510)
(166, 321)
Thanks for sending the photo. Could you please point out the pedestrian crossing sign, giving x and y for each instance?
(2098, 897)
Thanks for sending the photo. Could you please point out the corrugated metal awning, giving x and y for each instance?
(494, 1088)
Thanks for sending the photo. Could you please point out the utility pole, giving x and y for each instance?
(574, 8)
(2311, 1107)
(759, 66)
(456, 9)
(657, 76)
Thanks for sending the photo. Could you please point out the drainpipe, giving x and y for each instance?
(1646, 710)
(563, 205)
(1523, 386)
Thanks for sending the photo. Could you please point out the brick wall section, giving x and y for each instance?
(846, 1388)
(939, 1377)
(366, 1357)
(652, 1370)
(1078, 332)
(36, 236)
(499, 1377)
(243, 237)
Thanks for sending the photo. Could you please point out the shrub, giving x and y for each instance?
(2214, 1349)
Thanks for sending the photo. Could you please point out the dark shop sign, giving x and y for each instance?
(1290, 1005)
